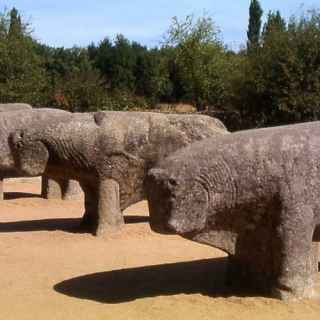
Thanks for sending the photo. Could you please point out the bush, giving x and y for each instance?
(280, 83)
(124, 101)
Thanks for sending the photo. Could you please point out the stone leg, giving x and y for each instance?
(251, 265)
(109, 212)
(1, 189)
(250, 272)
(50, 189)
(278, 257)
(59, 188)
(70, 189)
(90, 217)
(297, 260)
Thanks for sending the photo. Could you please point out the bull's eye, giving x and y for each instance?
(172, 182)
(19, 144)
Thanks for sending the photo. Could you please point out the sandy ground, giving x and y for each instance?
(50, 271)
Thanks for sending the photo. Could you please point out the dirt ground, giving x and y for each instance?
(51, 271)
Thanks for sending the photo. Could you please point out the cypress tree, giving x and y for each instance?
(254, 27)
(15, 27)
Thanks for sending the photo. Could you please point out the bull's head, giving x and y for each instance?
(178, 201)
(30, 153)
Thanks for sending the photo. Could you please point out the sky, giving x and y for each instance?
(80, 22)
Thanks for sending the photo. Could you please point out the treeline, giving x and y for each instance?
(274, 79)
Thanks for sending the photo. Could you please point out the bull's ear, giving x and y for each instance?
(156, 174)
(156, 177)
(172, 182)
(99, 117)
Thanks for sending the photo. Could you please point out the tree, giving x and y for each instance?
(198, 59)
(275, 23)
(152, 77)
(102, 56)
(254, 27)
(281, 84)
(123, 62)
(15, 27)
(80, 91)
(76, 85)
(22, 77)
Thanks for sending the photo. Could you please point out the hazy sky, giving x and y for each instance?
(79, 22)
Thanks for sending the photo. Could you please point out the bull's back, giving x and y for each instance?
(257, 161)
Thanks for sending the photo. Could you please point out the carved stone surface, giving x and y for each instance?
(22, 119)
(59, 188)
(255, 195)
(110, 157)
(5, 107)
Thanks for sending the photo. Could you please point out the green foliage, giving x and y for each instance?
(123, 63)
(82, 88)
(22, 77)
(254, 27)
(15, 26)
(102, 56)
(275, 80)
(152, 76)
(198, 61)
(132, 69)
(275, 23)
(124, 101)
(280, 83)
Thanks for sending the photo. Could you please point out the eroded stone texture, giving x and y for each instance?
(59, 188)
(22, 119)
(71, 190)
(5, 107)
(109, 158)
(254, 194)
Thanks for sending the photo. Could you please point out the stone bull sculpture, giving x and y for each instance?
(255, 195)
(109, 158)
(22, 119)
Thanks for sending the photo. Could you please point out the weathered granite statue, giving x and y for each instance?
(4, 107)
(59, 188)
(22, 119)
(255, 195)
(109, 158)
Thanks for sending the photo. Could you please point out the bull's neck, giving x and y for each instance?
(64, 149)
(221, 186)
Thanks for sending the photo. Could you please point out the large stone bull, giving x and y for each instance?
(24, 119)
(109, 158)
(254, 194)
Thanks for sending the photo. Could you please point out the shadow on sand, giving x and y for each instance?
(18, 195)
(64, 224)
(205, 277)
